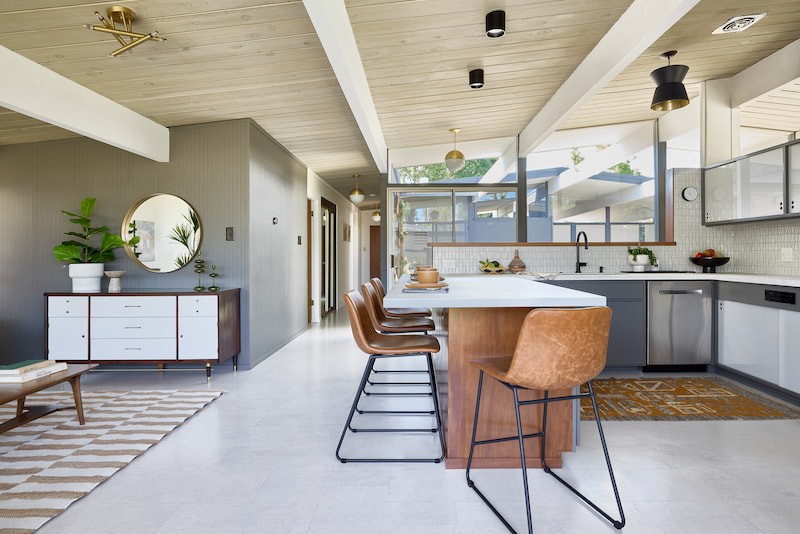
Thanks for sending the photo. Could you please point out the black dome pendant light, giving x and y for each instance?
(670, 92)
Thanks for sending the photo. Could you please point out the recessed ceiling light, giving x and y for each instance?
(739, 23)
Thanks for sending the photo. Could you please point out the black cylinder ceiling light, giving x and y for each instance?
(495, 24)
(670, 92)
(476, 78)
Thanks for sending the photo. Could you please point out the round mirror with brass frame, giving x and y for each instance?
(169, 230)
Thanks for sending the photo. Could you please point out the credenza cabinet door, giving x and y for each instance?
(67, 338)
(68, 328)
(198, 338)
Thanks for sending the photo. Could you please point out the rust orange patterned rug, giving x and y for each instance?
(680, 399)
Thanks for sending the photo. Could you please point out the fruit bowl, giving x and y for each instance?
(494, 270)
(709, 264)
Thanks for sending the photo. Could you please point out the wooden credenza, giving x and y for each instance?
(143, 327)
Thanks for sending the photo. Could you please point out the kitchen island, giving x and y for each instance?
(480, 316)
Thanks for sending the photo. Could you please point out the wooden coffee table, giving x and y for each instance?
(18, 392)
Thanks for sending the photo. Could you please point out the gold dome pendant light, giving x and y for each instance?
(454, 159)
(376, 215)
(356, 195)
(121, 27)
(670, 92)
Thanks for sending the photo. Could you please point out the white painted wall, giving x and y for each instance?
(346, 253)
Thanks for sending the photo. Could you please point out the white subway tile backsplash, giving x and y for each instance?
(753, 247)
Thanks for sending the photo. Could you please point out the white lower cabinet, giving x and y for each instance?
(197, 338)
(748, 339)
(789, 350)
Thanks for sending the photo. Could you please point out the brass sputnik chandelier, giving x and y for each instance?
(121, 27)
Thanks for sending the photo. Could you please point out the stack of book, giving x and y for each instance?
(20, 372)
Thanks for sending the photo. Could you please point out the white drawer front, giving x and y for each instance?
(197, 306)
(68, 306)
(133, 306)
(133, 327)
(133, 349)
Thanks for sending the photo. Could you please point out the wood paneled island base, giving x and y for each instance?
(486, 332)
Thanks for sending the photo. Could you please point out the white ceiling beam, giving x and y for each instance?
(333, 28)
(596, 163)
(679, 121)
(617, 198)
(36, 91)
(636, 30)
(770, 73)
(501, 167)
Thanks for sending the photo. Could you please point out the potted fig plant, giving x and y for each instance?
(86, 261)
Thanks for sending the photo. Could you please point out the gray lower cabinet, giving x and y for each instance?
(627, 342)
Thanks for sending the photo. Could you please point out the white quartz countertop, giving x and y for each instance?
(491, 291)
(767, 279)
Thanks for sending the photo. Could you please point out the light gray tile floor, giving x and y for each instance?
(261, 460)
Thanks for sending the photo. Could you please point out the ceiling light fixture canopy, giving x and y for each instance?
(124, 17)
(476, 78)
(454, 159)
(495, 24)
(670, 92)
(356, 195)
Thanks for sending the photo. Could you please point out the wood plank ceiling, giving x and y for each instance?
(223, 59)
(261, 59)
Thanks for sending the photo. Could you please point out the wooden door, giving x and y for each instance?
(374, 251)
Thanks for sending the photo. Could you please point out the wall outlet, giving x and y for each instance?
(787, 254)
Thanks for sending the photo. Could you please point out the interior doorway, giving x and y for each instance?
(374, 251)
(328, 289)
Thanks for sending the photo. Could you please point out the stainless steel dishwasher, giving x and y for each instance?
(679, 322)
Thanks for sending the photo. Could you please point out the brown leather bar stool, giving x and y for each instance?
(398, 313)
(381, 346)
(556, 349)
(388, 325)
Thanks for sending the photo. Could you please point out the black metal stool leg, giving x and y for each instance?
(438, 415)
(543, 440)
(522, 460)
(621, 523)
(367, 370)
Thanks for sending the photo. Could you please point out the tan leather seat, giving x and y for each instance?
(556, 349)
(397, 312)
(372, 342)
(382, 323)
(380, 346)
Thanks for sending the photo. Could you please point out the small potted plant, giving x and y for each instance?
(639, 257)
(86, 261)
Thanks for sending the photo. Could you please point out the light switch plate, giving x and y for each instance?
(787, 254)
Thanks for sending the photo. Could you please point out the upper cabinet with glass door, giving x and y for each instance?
(751, 187)
(794, 179)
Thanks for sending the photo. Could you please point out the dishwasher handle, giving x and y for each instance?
(680, 291)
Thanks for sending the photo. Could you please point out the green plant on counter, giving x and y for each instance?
(635, 251)
(80, 249)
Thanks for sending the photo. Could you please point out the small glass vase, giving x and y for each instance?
(516, 265)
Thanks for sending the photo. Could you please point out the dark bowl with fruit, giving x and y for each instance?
(709, 263)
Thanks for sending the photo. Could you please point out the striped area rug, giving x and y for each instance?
(49, 463)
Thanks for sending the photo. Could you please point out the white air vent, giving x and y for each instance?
(738, 24)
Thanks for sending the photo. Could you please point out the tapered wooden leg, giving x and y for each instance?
(20, 406)
(75, 382)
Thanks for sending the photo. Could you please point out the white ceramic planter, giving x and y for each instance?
(639, 262)
(86, 277)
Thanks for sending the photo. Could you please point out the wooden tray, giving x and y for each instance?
(440, 285)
